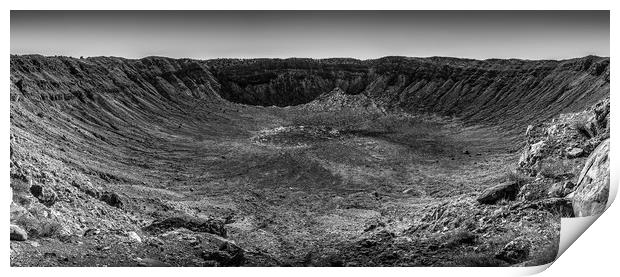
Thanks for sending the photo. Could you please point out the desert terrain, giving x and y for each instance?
(299, 162)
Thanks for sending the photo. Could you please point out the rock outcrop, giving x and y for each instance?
(211, 226)
(515, 251)
(558, 149)
(45, 194)
(598, 123)
(112, 199)
(561, 189)
(228, 254)
(531, 155)
(134, 237)
(492, 195)
(17, 233)
(575, 152)
(592, 188)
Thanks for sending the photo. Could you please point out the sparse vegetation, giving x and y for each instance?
(556, 169)
(547, 255)
(513, 175)
(580, 124)
(50, 229)
(39, 227)
(460, 237)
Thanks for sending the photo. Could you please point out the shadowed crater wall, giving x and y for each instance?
(489, 91)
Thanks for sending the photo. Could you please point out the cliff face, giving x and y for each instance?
(63, 78)
(288, 82)
(108, 96)
(102, 113)
(489, 91)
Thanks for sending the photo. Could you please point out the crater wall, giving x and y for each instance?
(489, 91)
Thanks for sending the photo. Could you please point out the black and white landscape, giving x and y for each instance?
(393, 161)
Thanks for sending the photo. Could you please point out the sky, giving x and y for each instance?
(312, 34)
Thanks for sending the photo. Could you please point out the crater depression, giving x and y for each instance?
(302, 162)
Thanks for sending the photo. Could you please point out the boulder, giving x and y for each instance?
(515, 251)
(411, 191)
(148, 262)
(211, 226)
(134, 237)
(601, 117)
(561, 189)
(492, 195)
(112, 199)
(154, 241)
(568, 187)
(17, 233)
(532, 154)
(529, 130)
(228, 254)
(44, 194)
(91, 232)
(598, 123)
(592, 188)
(574, 152)
(556, 190)
(552, 130)
(17, 211)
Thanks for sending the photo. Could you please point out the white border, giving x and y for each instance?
(594, 254)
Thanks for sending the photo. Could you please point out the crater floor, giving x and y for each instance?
(295, 187)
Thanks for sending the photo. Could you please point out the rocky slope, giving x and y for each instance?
(490, 91)
(487, 91)
(160, 161)
(569, 158)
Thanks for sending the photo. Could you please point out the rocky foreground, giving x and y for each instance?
(389, 162)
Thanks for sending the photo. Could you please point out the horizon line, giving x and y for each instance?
(314, 58)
